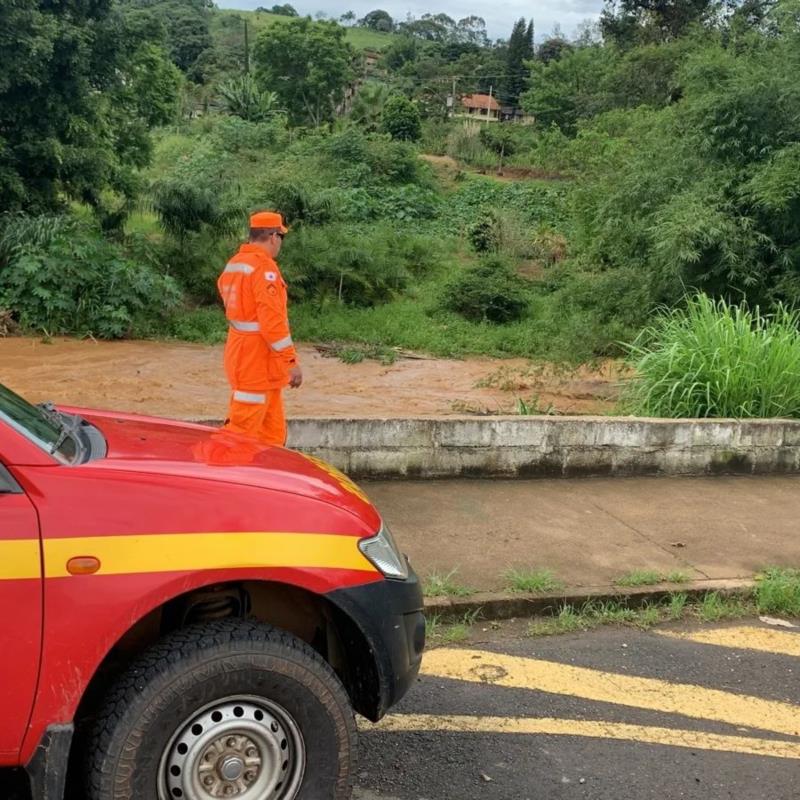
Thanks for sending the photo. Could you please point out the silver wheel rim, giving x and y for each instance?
(237, 748)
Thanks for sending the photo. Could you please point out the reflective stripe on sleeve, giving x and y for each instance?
(236, 267)
(282, 344)
(249, 397)
(245, 327)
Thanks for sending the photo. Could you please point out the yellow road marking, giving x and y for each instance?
(19, 559)
(745, 638)
(179, 552)
(609, 687)
(696, 740)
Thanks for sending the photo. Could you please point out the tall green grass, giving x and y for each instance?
(715, 359)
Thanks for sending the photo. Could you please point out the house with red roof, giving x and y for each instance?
(480, 106)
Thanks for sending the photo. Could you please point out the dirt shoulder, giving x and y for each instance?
(186, 381)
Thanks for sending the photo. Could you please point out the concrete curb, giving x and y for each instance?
(522, 446)
(493, 606)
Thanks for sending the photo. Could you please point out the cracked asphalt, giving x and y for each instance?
(702, 713)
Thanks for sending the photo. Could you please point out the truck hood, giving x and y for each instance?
(167, 447)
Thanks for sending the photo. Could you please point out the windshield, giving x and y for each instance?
(41, 427)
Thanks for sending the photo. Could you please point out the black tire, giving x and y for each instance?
(150, 706)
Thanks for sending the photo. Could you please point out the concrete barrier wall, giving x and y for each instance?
(548, 446)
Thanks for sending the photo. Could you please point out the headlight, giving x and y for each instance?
(382, 551)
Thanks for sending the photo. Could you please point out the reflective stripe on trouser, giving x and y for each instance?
(264, 421)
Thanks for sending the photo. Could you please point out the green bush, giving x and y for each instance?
(354, 265)
(21, 231)
(484, 234)
(490, 291)
(400, 119)
(203, 325)
(196, 262)
(534, 203)
(713, 359)
(394, 162)
(406, 203)
(77, 282)
(360, 159)
(347, 146)
(185, 207)
(464, 144)
(299, 204)
(232, 134)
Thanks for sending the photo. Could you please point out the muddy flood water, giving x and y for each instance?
(186, 381)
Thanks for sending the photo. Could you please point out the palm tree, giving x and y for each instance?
(368, 105)
(244, 99)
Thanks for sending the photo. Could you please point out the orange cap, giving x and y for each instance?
(268, 219)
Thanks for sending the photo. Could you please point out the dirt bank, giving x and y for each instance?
(186, 381)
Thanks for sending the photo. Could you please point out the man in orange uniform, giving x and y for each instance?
(260, 359)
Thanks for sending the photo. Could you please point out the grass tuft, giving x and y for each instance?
(715, 359)
(441, 630)
(443, 584)
(778, 591)
(639, 577)
(535, 581)
(714, 607)
(676, 577)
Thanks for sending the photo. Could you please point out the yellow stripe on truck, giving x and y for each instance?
(19, 559)
(185, 552)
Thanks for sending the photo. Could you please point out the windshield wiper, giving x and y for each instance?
(50, 414)
(66, 424)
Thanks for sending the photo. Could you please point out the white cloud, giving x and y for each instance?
(499, 18)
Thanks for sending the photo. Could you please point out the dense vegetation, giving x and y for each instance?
(660, 155)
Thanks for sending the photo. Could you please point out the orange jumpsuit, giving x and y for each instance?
(259, 353)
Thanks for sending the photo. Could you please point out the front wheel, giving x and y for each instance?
(228, 709)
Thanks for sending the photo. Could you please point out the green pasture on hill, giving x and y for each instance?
(359, 38)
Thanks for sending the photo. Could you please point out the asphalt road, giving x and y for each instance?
(614, 714)
(696, 712)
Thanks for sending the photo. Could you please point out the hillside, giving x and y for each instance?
(359, 38)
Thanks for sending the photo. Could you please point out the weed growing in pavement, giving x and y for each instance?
(677, 605)
(714, 607)
(433, 623)
(778, 591)
(439, 584)
(451, 630)
(453, 634)
(532, 581)
(593, 614)
(676, 577)
(567, 620)
(639, 577)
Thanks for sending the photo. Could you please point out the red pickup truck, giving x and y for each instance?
(188, 613)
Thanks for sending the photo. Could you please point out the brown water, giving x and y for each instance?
(186, 381)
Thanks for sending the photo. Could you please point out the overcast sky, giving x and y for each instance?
(500, 17)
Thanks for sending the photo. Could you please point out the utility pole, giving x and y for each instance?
(489, 110)
(246, 50)
(452, 103)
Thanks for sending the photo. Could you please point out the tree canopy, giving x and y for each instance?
(307, 64)
(378, 20)
(80, 85)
